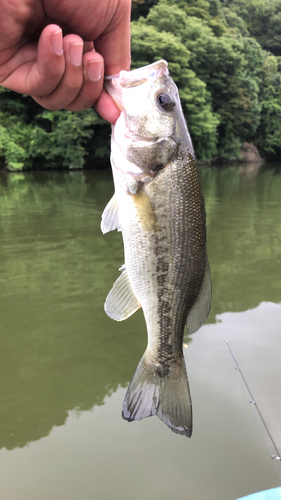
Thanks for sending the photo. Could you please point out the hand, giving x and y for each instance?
(64, 71)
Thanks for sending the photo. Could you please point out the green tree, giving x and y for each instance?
(141, 8)
(222, 63)
(15, 134)
(224, 56)
(209, 11)
(30, 135)
(269, 133)
(263, 19)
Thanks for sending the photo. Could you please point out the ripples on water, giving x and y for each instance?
(64, 365)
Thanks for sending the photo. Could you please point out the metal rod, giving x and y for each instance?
(253, 401)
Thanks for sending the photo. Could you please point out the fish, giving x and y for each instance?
(158, 205)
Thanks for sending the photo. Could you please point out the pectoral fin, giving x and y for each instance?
(144, 211)
(121, 301)
(201, 308)
(109, 218)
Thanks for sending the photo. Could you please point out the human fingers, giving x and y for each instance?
(114, 45)
(93, 71)
(114, 42)
(72, 81)
(36, 68)
(107, 108)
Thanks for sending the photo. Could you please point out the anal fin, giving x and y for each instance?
(201, 308)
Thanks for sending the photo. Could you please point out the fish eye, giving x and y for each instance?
(165, 102)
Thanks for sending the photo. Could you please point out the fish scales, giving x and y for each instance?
(176, 285)
(160, 211)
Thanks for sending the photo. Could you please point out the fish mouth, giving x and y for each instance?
(140, 75)
(127, 79)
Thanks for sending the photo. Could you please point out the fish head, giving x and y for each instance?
(145, 137)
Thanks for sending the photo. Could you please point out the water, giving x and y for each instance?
(65, 366)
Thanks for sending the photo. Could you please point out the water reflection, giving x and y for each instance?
(96, 454)
(244, 234)
(59, 351)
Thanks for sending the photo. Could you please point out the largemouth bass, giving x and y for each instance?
(159, 207)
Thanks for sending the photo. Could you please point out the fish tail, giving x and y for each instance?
(167, 395)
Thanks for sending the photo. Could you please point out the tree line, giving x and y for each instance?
(225, 57)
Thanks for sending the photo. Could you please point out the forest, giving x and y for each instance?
(224, 56)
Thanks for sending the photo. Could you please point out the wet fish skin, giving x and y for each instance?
(162, 217)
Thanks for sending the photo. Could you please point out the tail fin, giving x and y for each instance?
(166, 396)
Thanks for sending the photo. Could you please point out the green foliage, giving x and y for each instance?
(141, 8)
(269, 133)
(208, 10)
(15, 136)
(263, 19)
(63, 137)
(224, 55)
(32, 136)
(230, 64)
(237, 27)
(221, 63)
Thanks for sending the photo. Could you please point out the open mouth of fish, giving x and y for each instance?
(127, 79)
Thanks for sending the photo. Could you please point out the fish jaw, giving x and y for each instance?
(116, 84)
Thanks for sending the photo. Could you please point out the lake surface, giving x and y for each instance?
(65, 366)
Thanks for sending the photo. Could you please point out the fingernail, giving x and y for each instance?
(76, 52)
(94, 70)
(57, 42)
